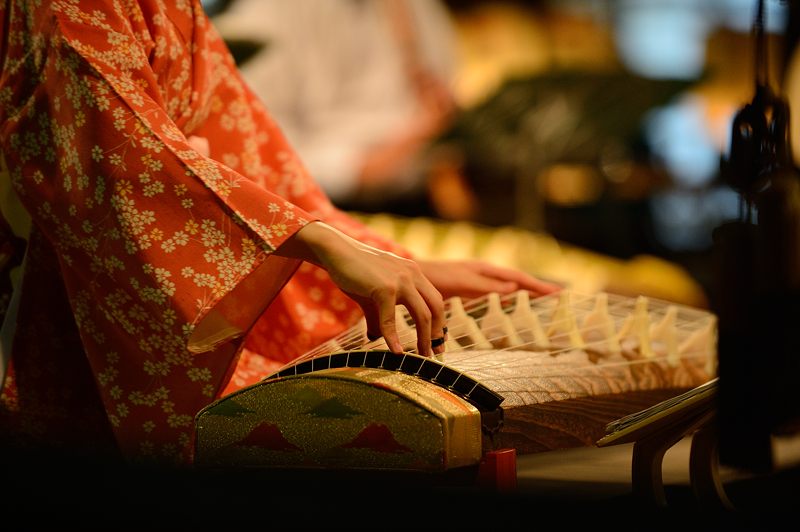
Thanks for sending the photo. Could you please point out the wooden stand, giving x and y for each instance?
(648, 456)
(704, 468)
(660, 428)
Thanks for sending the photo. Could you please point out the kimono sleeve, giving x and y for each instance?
(153, 230)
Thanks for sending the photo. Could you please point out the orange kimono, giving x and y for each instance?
(150, 285)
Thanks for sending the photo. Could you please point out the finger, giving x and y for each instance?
(421, 314)
(501, 287)
(372, 317)
(537, 286)
(386, 322)
(522, 279)
(542, 287)
(433, 298)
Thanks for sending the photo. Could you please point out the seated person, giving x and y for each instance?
(174, 241)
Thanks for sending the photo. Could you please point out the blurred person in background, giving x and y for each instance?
(360, 88)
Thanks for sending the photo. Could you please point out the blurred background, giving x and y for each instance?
(580, 140)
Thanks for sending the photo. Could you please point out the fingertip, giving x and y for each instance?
(395, 346)
(423, 349)
(545, 289)
(552, 288)
(498, 287)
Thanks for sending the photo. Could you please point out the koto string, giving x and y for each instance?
(619, 308)
(409, 336)
(356, 334)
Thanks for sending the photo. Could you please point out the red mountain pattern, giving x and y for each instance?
(379, 438)
(268, 436)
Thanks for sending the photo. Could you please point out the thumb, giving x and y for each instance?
(379, 326)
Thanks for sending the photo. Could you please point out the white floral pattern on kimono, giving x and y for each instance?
(150, 264)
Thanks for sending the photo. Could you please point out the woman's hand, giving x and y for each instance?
(475, 278)
(377, 280)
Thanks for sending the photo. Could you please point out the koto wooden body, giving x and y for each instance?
(542, 374)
